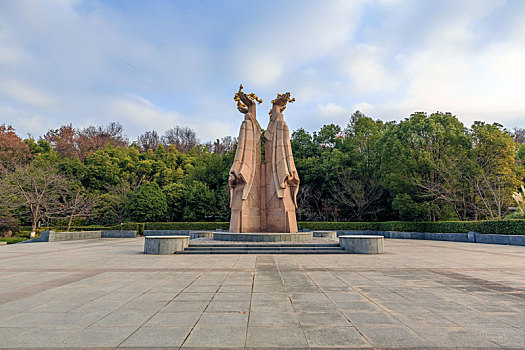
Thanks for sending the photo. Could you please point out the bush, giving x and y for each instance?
(506, 227)
(8, 226)
(148, 203)
(192, 226)
(12, 240)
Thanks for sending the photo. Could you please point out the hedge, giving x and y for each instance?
(506, 227)
(13, 240)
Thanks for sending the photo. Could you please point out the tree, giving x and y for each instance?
(111, 206)
(181, 137)
(70, 142)
(34, 189)
(148, 140)
(147, 203)
(518, 134)
(13, 151)
(224, 145)
(497, 175)
(360, 196)
(413, 150)
(190, 201)
(76, 203)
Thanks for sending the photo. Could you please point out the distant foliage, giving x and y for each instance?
(148, 203)
(427, 167)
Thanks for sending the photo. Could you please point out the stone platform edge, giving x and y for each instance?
(473, 237)
(52, 236)
(263, 237)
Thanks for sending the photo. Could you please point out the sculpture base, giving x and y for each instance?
(263, 237)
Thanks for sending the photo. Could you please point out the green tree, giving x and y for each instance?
(419, 157)
(147, 203)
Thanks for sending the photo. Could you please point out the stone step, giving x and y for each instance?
(305, 245)
(264, 251)
(263, 248)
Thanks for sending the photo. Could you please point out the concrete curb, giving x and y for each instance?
(473, 237)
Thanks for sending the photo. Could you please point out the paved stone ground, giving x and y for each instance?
(107, 294)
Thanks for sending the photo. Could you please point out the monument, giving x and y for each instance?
(263, 195)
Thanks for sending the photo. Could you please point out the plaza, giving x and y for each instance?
(105, 293)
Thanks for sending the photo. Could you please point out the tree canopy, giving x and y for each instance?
(425, 167)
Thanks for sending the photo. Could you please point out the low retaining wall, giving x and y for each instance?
(192, 234)
(118, 234)
(472, 237)
(52, 236)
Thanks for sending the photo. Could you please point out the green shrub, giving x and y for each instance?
(8, 225)
(147, 203)
(13, 240)
(507, 227)
(205, 226)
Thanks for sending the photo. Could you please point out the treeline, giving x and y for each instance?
(427, 167)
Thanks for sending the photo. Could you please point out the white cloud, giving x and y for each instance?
(75, 61)
(140, 114)
(25, 94)
(365, 66)
(25, 122)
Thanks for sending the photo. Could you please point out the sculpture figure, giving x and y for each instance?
(263, 197)
(244, 178)
(282, 179)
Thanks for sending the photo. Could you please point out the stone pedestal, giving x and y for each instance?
(325, 234)
(165, 245)
(362, 244)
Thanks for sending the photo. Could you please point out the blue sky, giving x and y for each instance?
(156, 64)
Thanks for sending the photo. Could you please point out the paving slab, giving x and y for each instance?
(108, 294)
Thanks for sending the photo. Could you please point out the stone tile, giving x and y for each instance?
(308, 296)
(125, 318)
(157, 336)
(11, 332)
(505, 337)
(272, 305)
(223, 319)
(268, 288)
(334, 336)
(356, 306)
(393, 337)
(277, 296)
(455, 337)
(235, 288)
(314, 306)
(38, 337)
(335, 319)
(194, 296)
(99, 337)
(217, 337)
(273, 319)
(232, 296)
(367, 319)
(180, 306)
(202, 289)
(228, 306)
(173, 319)
(291, 337)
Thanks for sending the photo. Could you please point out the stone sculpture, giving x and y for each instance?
(263, 196)
(245, 173)
(282, 180)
